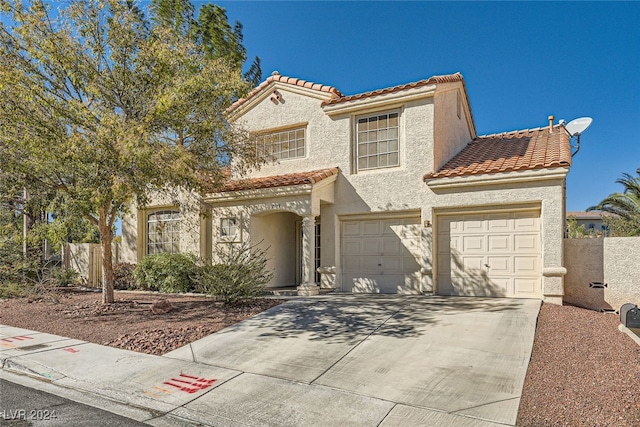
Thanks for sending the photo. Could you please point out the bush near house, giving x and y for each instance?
(166, 272)
(240, 272)
(123, 278)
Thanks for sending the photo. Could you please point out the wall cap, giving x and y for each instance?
(554, 271)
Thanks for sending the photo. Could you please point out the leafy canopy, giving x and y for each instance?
(104, 102)
(625, 206)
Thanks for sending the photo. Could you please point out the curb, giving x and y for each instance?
(629, 332)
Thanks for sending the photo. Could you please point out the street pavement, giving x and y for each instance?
(357, 360)
(23, 406)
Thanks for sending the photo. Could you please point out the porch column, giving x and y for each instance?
(308, 286)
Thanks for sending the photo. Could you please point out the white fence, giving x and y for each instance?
(602, 274)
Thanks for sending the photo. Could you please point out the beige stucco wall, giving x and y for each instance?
(584, 260)
(329, 143)
(611, 260)
(193, 222)
(452, 133)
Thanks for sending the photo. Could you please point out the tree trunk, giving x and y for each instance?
(106, 238)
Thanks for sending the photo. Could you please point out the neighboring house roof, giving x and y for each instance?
(507, 152)
(448, 78)
(275, 77)
(589, 215)
(310, 177)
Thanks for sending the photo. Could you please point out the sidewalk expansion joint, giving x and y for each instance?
(387, 414)
(361, 341)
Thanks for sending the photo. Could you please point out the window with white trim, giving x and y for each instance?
(230, 229)
(377, 141)
(163, 232)
(282, 145)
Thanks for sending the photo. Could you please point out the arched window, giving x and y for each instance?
(163, 233)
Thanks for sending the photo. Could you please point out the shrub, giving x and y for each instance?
(63, 277)
(166, 272)
(12, 290)
(123, 277)
(241, 272)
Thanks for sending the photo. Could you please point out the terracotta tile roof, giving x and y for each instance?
(506, 152)
(448, 78)
(298, 178)
(288, 80)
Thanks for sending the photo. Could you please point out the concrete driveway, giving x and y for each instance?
(378, 360)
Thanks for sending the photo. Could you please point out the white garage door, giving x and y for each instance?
(490, 255)
(381, 255)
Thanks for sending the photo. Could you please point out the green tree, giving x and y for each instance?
(103, 104)
(625, 206)
(574, 230)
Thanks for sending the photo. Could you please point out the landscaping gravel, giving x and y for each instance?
(583, 371)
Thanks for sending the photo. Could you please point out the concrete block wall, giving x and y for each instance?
(614, 261)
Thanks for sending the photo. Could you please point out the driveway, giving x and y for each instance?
(392, 360)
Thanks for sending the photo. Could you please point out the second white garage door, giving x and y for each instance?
(494, 254)
(381, 255)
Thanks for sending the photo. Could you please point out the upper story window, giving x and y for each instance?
(282, 145)
(163, 233)
(377, 144)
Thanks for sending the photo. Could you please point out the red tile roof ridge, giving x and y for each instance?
(444, 78)
(516, 132)
(275, 77)
(294, 178)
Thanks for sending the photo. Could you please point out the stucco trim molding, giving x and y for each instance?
(502, 178)
(554, 271)
(270, 192)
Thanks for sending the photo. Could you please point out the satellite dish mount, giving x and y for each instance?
(575, 128)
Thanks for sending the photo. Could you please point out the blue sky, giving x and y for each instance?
(522, 61)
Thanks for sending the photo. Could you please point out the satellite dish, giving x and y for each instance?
(577, 126)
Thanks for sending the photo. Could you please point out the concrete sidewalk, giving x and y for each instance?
(339, 360)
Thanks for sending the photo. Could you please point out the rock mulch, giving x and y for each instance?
(148, 323)
(583, 371)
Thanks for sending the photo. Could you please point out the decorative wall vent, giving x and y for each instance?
(597, 285)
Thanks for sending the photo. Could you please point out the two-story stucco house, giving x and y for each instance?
(386, 191)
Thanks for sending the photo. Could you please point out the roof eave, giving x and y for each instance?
(382, 100)
(499, 178)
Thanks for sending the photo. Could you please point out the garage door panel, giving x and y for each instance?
(499, 264)
(371, 228)
(499, 243)
(386, 255)
(351, 246)
(527, 287)
(472, 224)
(350, 229)
(391, 245)
(370, 246)
(469, 263)
(526, 265)
(526, 243)
(497, 254)
(370, 265)
(499, 223)
(473, 243)
(497, 287)
(523, 222)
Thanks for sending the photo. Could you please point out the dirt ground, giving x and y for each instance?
(129, 323)
(583, 370)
